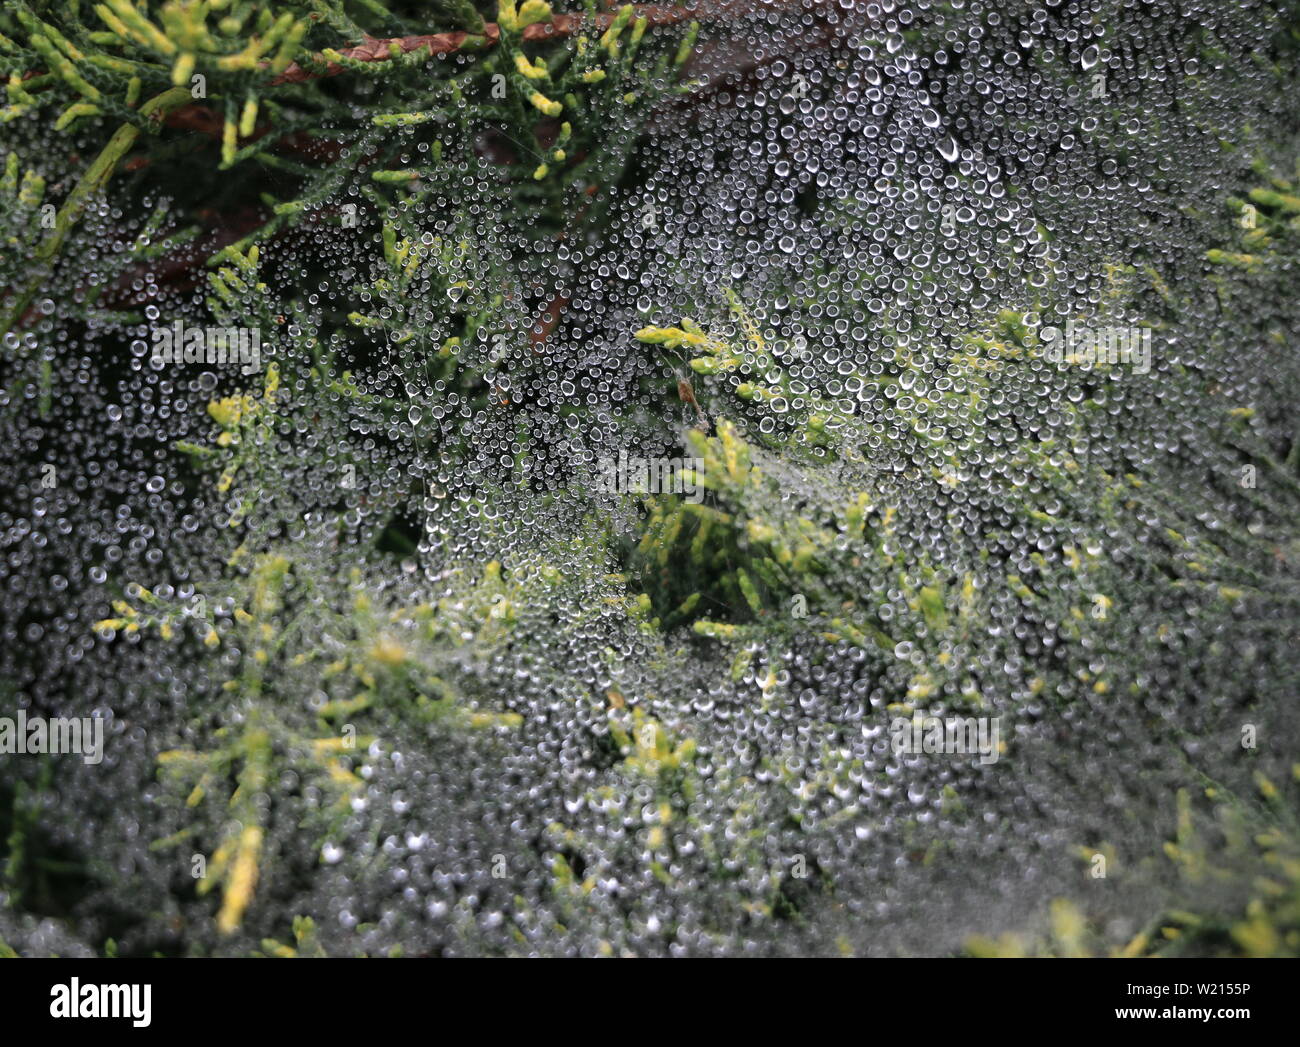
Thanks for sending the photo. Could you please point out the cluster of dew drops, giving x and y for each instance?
(871, 182)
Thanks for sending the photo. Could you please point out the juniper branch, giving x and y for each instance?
(560, 26)
(94, 180)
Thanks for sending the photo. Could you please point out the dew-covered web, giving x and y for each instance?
(378, 643)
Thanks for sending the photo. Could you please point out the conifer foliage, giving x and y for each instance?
(499, 474)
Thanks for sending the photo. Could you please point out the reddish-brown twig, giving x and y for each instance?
(375, 49)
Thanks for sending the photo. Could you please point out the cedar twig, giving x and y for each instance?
(95, 178)
(375, 49)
